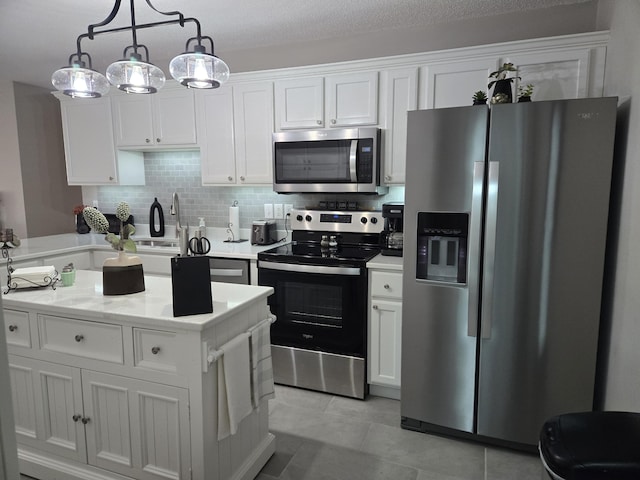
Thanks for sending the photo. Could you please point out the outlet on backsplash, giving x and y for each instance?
(268, 210)
(277, 211)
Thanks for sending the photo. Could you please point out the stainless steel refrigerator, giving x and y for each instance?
(505, 230)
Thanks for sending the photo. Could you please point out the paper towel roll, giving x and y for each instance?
(234, 223)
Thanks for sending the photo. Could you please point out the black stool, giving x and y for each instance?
(592, 446)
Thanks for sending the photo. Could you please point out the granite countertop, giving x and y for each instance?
(72, 242)
(152, 307)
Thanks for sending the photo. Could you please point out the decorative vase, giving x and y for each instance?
(81, 225)
(503, 86)
(524, 99)
(122, 275)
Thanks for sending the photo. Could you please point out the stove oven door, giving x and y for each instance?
(318, 307)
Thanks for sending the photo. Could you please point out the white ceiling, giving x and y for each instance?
(37, 36)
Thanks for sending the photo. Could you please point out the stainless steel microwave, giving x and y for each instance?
(327, 161)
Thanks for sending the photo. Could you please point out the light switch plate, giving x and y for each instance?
(277, 211)
(268, 210)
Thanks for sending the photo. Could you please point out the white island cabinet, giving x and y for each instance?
(116, 387)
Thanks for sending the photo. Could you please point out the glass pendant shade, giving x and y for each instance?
(134, 76)
(199, 70)
(80, 82)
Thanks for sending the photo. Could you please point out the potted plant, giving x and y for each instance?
(525, 92)
(479, 98)
(502, 83)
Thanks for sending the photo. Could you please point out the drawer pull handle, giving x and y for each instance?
(79, 338)
(386, 286)
(13, 328)
(155, 350)
(76, 417)
(85, 420)
(375, 307)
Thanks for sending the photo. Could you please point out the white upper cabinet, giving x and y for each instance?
(340, 100)
(89, 149)
(235, 124)
(400, 95)
(163, 120)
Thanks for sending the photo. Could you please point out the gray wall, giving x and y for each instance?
(48, 200)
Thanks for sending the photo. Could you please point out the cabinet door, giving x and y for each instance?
(385, 342)
(54, 401)
(401, 95)
(352, 99)
(453, 84)
(136, 428)
(214, 111)
(253, 122)
(132, 115)
(87, 129)
(299, 103)
(174, 117)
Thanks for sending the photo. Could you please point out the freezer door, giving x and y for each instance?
(443, 206)
(546, 222)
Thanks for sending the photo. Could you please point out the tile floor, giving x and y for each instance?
(326, 437)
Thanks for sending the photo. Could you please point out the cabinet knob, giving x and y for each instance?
(241, 178)
(319, 122)
(13, 328)
(148, 140)
(375, 307)
(85, 420)
(155, 350)
(79, 338)
(386, 286)
(110, 179)
(230, 178)
(76, 417)
(333, 121)
(158, 140)
(387, 178)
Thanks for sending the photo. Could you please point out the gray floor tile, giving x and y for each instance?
(297, 397)
(507, 465)
(373, 409)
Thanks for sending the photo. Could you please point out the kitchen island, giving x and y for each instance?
(116, 387)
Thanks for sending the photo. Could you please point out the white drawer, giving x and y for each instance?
(386, 284)
(155, 349)
(100, 341)
(17, 328)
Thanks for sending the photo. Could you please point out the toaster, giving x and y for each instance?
(263, 232)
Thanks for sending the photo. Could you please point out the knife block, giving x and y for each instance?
(191, 285)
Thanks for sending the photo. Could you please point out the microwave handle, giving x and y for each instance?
(353, 157)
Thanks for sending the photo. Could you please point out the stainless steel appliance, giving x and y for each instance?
(392, 236)
(320, 280)
(327, 161)
(505, 231)
(263, 232)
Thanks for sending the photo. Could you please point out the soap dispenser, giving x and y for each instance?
(156, 217)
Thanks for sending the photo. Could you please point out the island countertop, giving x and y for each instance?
(152, 307)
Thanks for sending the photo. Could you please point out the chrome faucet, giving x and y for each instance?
(175, 210)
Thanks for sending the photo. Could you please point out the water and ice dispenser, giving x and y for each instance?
(442, 247)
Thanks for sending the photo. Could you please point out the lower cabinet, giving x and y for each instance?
(128, 426)
(385, 332)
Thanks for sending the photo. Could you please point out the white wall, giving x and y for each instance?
(12, 212)
(622, 78)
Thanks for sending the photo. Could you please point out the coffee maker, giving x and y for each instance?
(391, 238)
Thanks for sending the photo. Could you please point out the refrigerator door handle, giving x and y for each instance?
(490, 247)
(475, 230)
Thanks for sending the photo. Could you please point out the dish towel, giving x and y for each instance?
(261, 365)
(234, 385)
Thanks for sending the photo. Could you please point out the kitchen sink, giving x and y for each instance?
(156, 243)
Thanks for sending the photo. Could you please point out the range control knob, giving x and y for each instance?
(374, 220)
(299, 218)
(363, 220)
(308, 218)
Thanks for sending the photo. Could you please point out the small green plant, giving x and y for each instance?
(525, 91)
(480, 96)
(99, 223)
(501, 74)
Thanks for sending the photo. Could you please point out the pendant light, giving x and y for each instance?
(134, 73)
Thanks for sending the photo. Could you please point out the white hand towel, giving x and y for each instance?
(261, 364)
(234, 385)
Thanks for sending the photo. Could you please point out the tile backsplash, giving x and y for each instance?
(168, 172)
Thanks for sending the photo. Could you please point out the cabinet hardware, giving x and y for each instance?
(155, 350)
(375, 307)
(319, 122)
(158, 140)
(241, 178)
(386, 286)
(387, 178)
(85, 420)
(79, 338)
(230, 178)
(76, 417)
(110, 179)
(333, 121)
(13, 328)
(147, 140)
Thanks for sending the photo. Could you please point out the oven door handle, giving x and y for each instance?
(321, 269)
